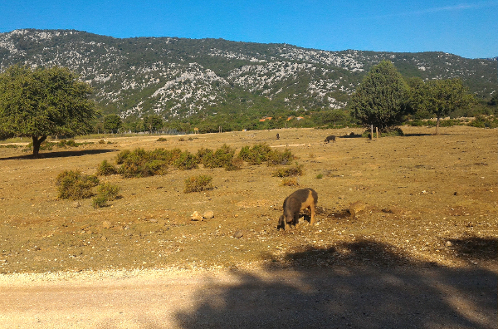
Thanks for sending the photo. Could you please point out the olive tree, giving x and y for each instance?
(43, 102)
(381, 98)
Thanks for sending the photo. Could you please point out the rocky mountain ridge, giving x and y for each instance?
(178, 78)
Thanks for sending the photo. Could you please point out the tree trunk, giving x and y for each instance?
(36, 144)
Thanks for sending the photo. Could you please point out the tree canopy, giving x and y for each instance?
(112, 123)
(380, 100)
(44, 102)
(440, 97)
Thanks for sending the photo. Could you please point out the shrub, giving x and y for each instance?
(290, 181)
(186, 161)
(482, 121)
(155, 167)
(110, 191)
(255, 155)
(122, 156)
(170, 156)
(319, 176)
(66, 143)
(279, 158)
(222, 157)
(74, 185)
(106, 169)
(198, 183)
(141, 163)
(296, 170)
(260, 153)
(202, 155)
(235, 164)
(99, 201)
(106, 192)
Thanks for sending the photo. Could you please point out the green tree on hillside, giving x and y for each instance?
(153, 122)
(381, 98)
(112, 122)
(41, 102)
(441, 97)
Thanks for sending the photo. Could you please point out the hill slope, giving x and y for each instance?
(178, 78)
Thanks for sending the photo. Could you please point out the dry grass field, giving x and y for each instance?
(420, 198)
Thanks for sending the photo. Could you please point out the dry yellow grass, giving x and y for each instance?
(427, 199)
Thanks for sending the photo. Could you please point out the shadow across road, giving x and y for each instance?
(316, 288)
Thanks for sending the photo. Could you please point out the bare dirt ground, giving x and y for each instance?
(421, 252)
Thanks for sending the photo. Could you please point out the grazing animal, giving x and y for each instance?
(278, 136)
(294, 203)
(330, 138)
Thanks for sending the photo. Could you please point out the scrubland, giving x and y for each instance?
(419, 199)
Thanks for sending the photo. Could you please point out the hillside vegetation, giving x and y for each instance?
(229, 81)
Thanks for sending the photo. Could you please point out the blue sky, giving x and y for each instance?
(464, 28)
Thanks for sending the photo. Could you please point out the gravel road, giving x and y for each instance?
(356, 297)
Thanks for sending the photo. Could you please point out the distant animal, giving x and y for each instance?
(294, 203)
(278, 136)
(330, 138)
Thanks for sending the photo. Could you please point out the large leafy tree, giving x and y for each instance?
(43, 102)
(153, 122)
(112, 122)
(381, 98)
(441, 97)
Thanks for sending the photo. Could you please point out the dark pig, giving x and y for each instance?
(330, 138)
(294, 203)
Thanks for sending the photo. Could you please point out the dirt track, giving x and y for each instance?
(359, 297)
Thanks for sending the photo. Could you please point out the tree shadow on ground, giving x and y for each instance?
(475, 248)
(58, 154)
(364, 284)
(418, 134)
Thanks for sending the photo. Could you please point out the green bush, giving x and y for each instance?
(170, 156)
(99, 201)
(260, 153)
(106, 169)
(74, 185)
(140, 163)
(204, 155)
(221, 158)
(256, 155)
(122, 156)
(482, 121)
(186, 161)
(106, 192)
(66, 143)
(279, 158)
(198, 183)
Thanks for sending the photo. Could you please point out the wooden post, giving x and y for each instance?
(371, 132)
(377, 132)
